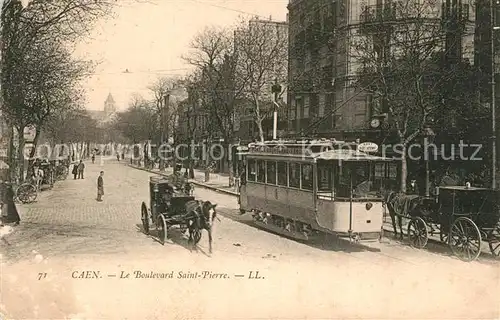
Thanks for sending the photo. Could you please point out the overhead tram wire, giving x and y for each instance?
(230, 9)
(126, 72)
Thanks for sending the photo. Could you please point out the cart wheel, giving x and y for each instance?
(494, 241)
(26, 193)
(465, 239)
(417, 233)
(161, 224)
(145, 218)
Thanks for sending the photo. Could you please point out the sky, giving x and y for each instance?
(148, 40)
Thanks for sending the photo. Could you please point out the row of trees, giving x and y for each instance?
(416, 73)
(40, 77)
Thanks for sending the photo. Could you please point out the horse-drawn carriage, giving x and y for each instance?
(173, 205)
(463, 216)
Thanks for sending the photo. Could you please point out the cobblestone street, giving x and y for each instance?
(67, 232)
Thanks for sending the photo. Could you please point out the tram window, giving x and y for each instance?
(252, 170)
(307, 177)
(261, 171)
(294, 175)
(282, 173)
(325, 175)
(271, 172)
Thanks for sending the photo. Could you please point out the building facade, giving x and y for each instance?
(323, 99)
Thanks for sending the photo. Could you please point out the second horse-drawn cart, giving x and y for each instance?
(463, 217)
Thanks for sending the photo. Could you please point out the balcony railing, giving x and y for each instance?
(378, 13)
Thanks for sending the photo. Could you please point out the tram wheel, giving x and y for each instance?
(494, 241)
(161, 224)
(465, 239)
(417, 233)
(145, 218)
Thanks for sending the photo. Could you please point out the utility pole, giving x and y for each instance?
(165, 137)
(493, 94)
(276, 89)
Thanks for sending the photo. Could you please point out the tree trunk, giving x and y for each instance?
(5, 171)
(32, 154)
(261, 131)
(404, 168)
(20, 155)
(207, 163)
(230, 163)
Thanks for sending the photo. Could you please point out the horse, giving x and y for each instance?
(200, 215)
(401, 205)
(388, 200)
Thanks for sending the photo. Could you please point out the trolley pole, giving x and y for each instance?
(493, 98)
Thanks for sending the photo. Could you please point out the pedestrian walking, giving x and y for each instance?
(118, 157)
(9, 209)
(93, 157)
(100, 186)
(81, 167)
(75, 170)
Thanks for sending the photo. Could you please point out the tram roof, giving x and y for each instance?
(339, 155)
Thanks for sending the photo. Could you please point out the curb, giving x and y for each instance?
(196, 182)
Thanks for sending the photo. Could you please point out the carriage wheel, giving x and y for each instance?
(196, 235)
(26, 193)
(465, 239)
(494, 241)
(161, 224)
(145, 218)
(417, 233)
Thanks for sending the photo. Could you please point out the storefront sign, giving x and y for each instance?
(368, 147)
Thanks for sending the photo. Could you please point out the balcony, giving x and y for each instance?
(378, 14)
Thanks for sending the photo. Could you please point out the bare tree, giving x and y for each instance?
(213, 54)
(164, 92)
(401, 68)
(262, 59)
(40, 27)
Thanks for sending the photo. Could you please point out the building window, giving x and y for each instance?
(282, 173)
(271, 172)
(306, 108)
(261, 171)
(307, 177)
(294, 175)
(252, 170)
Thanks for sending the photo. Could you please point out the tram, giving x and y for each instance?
(305, 188)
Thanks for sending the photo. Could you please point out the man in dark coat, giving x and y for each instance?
(100, 186)
(9, 209)
(75, 170)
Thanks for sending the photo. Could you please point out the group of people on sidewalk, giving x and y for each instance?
(78, 169)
